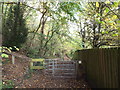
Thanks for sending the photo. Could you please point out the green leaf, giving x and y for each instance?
(116, 4)
(115, 35)
(118, 21)
(103, 32)
(97, 20)
(107, 10)
(114, 17)
(106, 32)
(102, 22)
(4, 55)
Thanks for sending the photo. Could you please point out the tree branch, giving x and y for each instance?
(112, 11)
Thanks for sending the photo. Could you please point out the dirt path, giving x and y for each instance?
(17, 73)
(41, 81)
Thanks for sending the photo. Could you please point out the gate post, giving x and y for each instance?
(76, 69)
(53, 67)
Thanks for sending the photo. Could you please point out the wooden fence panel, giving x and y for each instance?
(102, 67)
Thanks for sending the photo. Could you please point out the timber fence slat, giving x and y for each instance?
(112, 68)
(118, 67)
(104, 65)
(109, 68)
(100, 67)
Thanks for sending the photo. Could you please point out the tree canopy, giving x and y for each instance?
(57, 29)
(14, 27)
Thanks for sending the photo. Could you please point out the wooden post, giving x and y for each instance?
(13, 59)
(76, 69)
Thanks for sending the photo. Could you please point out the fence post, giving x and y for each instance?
(13, 59)
(76, 69)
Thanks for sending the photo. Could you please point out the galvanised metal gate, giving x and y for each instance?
(60, 68)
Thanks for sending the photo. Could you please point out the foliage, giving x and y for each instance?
(3, 49)
(57, 29)
(7, 84)
(14, 27)
(99, 27)
(4, 55)
(49, 37)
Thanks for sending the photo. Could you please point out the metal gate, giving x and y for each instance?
(60, 68)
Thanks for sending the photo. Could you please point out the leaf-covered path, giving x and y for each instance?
(21, 77)
(42, 81)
